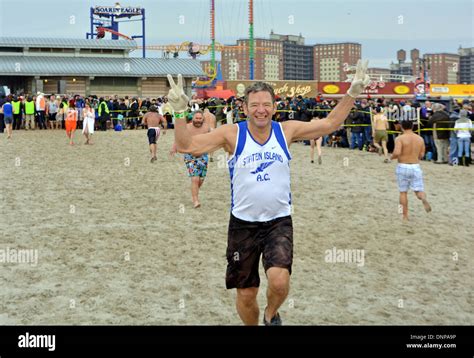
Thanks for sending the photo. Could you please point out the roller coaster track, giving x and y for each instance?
(105, 29)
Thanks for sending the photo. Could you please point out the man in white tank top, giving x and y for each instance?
(260, 220)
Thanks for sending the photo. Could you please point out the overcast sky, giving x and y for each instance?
(381, 26)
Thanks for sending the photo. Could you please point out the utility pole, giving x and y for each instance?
(251, 41)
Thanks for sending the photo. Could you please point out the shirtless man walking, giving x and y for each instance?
(153, 120)
(409, 149)
(196, 165)
(210, 119)
(379, 132)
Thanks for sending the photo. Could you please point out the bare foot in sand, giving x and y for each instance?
(197, 204)
(426, 205)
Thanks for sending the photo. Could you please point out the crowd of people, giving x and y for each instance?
(372, 125)
(49, 112)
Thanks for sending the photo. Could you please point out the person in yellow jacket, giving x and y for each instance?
(104, 114)
(29, 113)
(17, 114)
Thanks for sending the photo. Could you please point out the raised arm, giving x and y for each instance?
(185, 143)
(296, 130)
(208, 142)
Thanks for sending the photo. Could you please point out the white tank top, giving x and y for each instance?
(260, 176)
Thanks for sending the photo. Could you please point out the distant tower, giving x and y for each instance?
(251, 41)
(415, 61)
(213, 36)
(401, 56)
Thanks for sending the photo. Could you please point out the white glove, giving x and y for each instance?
(176, 97)
(361, 79)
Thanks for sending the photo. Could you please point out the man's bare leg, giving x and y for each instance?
(153, 152)
(195, 181)
(319, 142)
(422, 196)
(277, 291)
(385, 150)
(247, 306)
(379, 147)
(404, 204)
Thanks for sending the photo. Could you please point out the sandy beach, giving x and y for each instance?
(118, 241)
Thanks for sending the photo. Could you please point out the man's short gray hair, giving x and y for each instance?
(259, 87)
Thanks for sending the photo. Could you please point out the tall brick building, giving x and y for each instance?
(466, 65)
(280, 57)
(443, 67)
(267, 64)
(331, 60)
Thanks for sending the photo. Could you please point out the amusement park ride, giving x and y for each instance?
(194, 50)
(106, 19)
(102, 30)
